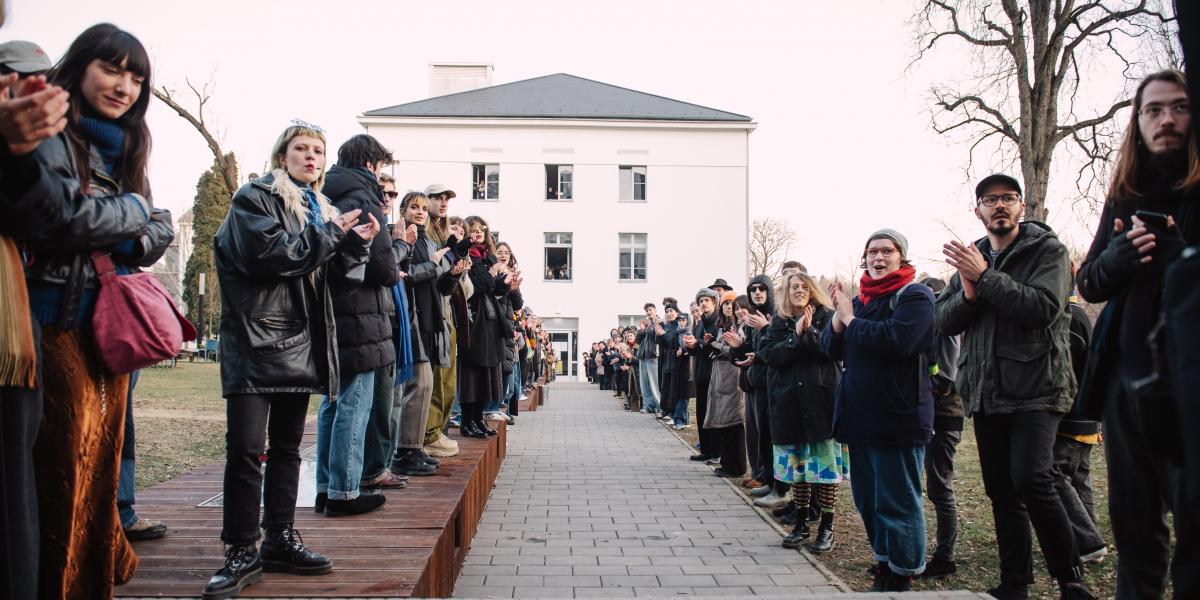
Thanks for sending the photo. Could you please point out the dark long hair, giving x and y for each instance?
(1133, 151)
(108, 43)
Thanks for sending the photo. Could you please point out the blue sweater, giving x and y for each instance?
(885, 397)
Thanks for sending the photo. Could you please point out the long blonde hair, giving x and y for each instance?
(815, 295)
(283, 185)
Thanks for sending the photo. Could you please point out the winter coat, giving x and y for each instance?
(885, 396)
(33, 197)
(278, 333)
(703, 352)
(1075, 423)
(428, 285)
(726, 401)
(59, 262)
(756, 374)
(647, 342)
(667, 345)
(1134, 302)
(1015, 354)
(364, 309)
(487, 330)
(801, 378)
(509, 304)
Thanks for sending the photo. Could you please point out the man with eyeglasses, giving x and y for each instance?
(1009, 301)
(1151, 214)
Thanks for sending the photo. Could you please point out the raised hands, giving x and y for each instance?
(346, 220)
(31, 112)
(368, 230)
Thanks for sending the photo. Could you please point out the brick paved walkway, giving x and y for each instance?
(595, 502)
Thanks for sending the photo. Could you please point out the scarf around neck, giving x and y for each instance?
(107, 138)
(870, 289)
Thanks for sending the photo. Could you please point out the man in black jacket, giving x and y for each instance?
(364, 313)
(647, 357)
(698, 344)
(1008, 300)
(1152, 212)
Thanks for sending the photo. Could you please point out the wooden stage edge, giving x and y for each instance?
(412, 547)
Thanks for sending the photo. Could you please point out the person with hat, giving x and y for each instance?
(1009, 302)
(30, 109)
(720, 285)
(698, 344)
(884, 404)
(669, 361)
(726, 415)
(445, 379)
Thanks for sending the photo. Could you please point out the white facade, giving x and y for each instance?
(695, 215)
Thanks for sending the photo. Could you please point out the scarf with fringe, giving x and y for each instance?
(18, 355)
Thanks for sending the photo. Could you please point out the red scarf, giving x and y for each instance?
(870, 289)
(479, 251)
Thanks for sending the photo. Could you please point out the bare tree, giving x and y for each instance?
(226, 162)
(1031, 59)
(770, 239)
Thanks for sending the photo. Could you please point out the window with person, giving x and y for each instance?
(485, 182)
(558, 256)
(559, 182)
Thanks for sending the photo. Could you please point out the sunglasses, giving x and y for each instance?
(757, 288)
(392, 195)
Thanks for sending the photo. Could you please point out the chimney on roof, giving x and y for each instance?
(452, 77)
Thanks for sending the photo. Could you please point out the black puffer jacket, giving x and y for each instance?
(98, 220)
(277, 318)
(802, 380)
(364, 309)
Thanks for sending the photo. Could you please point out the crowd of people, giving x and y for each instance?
(404, 327)
(799, 386)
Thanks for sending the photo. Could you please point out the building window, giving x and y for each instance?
(624, 321)
(558, 256)
(559, 181)
(487, 182)
(633, 183)
(631, 262)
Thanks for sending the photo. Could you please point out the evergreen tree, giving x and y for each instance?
(213, 198)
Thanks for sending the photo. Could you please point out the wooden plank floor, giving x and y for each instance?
(413, 547)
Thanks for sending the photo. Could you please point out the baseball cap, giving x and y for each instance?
(24, 57)
(996, 178)
(437, 188)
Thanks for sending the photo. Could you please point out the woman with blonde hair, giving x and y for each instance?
(802, 379)
(273, 255)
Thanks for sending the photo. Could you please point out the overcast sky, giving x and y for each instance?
(843, 145)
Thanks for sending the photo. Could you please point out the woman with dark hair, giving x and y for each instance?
(480, 379)
(274, 253)
(101, 161)
(726, 401)
(510, 305)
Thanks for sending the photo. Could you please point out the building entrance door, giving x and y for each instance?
(564, 343)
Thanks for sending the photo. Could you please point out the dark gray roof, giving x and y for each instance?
(558, 96)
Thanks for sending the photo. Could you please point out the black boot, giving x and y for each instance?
(283, 551)
(407, 461)
(784, 510)
(882, 572)
(469, 429)
(1073, 588)
(482, 425)
(243, 567)
(814, 513)
(1010, 591)
(796, 539)
(898, 583)
(319, 503)
(824, 539)
(364, 503)
(429, 460)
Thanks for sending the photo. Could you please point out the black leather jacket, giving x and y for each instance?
(97, 220)
(278, 333)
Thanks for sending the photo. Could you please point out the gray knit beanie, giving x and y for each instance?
(891, 234)
(707, 293)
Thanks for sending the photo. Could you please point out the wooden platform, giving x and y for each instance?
(413, 547)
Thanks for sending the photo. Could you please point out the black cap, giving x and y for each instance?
(994, 179)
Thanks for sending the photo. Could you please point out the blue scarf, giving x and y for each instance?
(314, 208)
(403, 339)
(107, 137)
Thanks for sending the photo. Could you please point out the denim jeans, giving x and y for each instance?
(648, 379)
(886, 484)
(681, 411)
(513, 395)
(127, 482)
(341, 428)
(377, 443)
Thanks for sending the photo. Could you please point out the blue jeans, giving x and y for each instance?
(886, 484)
(341, 431)
(681, 411)
(380, 434)
(648, 380)
(127, 482)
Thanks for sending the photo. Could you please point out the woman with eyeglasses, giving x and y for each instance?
(273, 255)
(480, 379)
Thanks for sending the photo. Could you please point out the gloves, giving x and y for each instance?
(1168, 246)
(1120, 260)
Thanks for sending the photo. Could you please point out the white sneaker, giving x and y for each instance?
(439, 449)
(442, 439)
(497, 417)
(523, 397)
(1095, 556)
(772, 500)
(678, 427)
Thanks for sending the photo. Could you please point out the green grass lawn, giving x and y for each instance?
(976, 555)
(180, 420)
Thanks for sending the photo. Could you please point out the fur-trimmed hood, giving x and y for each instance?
(279, 184)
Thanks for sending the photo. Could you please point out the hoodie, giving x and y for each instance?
(756, 375)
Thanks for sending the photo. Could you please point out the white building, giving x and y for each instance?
(610, 197)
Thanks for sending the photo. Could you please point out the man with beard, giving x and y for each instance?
(1150, 215)
(1008, 300)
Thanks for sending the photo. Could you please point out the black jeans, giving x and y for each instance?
(1142, 487)
(1073, 481)
(939, 484)
(1016, 455)
(766, 453)
(20, 418)
(732, 448)
(249, 415)
(710, 439)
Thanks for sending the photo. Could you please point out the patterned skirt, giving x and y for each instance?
(819, 462)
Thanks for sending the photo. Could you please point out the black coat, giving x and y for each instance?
(365, 309)
(801, 378)
(487, 331)
(277, 312)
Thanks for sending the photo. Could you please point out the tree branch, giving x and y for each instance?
(214, 146)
